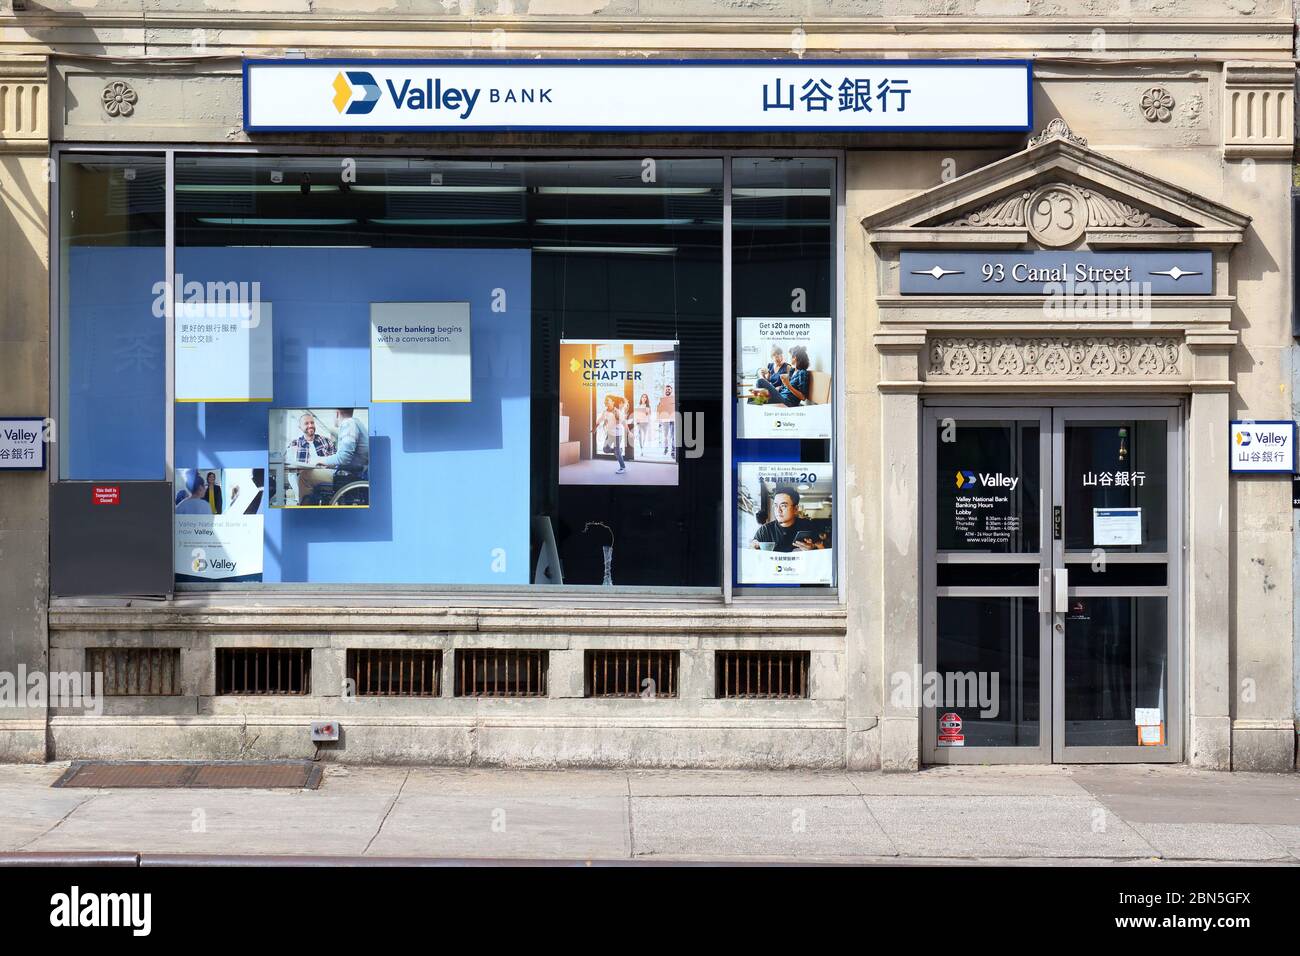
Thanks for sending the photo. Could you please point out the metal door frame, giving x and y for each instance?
(1053, 411)
(1172, 750)
(1041, 413)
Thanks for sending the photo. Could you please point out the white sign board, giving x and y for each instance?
(22, 444)
(1146, 716)
(224, 547)
(1116, 526)
(1258, 447)
(223, 352)
(637, 95)
(419, 352)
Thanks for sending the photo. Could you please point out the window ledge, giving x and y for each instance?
(373, 613)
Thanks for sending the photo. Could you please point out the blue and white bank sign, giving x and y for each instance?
(1261, 447)
(814, 95)
(22, 443)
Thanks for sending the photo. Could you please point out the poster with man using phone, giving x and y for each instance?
(783, 523)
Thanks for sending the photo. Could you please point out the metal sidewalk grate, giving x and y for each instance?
(198, 775)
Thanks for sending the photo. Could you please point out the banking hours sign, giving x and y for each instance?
(637, 95)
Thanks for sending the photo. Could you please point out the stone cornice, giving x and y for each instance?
(1252, 73)
(316, 618)
(932, 310)
(33, 68)
(552, 23)
(1208, 39)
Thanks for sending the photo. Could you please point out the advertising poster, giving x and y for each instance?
(784, 378)
(319, 457)
(223, 352)
(419, 352)
(619, 422)
(219, 517)
(783, 523)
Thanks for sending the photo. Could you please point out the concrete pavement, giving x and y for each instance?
(969, 814)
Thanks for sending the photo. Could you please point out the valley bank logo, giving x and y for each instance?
(201, 563)
(968, 480)
(1263, 437)
(356, 92)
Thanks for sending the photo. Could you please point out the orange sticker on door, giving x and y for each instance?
(1151, 735)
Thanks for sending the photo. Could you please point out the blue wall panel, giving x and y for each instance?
(449, 483)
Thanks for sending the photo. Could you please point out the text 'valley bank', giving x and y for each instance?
(434, 96)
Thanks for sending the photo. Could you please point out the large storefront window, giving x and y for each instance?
(783, 294)
(468, 372)
(112, 323)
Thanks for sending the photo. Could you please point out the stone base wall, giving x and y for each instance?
(565, 728)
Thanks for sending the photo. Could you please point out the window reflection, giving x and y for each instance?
(783, 267)
(112, 361)
(1116, 658)
(987, 664)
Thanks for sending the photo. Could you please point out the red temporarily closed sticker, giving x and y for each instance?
(106, 494)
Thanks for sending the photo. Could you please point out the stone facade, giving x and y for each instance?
(1159, 129)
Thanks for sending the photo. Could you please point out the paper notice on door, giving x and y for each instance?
(1115, 526)
(1146, 716)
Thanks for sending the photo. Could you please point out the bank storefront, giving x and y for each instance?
(694, 411)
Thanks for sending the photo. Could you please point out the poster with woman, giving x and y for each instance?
(784, 377)
(219, 524)
(618, 412)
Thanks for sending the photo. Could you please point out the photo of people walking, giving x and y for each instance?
(618, 415)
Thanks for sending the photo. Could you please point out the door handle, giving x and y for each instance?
(1061, 581)
(1045, 591)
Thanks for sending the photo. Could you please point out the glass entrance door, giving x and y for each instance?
(1051, 585)
(984, 686)
(1116, 560)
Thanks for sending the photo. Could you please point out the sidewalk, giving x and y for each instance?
(965, 814)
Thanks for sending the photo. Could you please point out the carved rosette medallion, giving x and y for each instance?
(1157, 105)
(119, 99)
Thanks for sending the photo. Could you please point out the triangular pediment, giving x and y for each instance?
(1056, 193)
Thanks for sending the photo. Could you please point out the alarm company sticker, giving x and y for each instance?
(950, 734)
